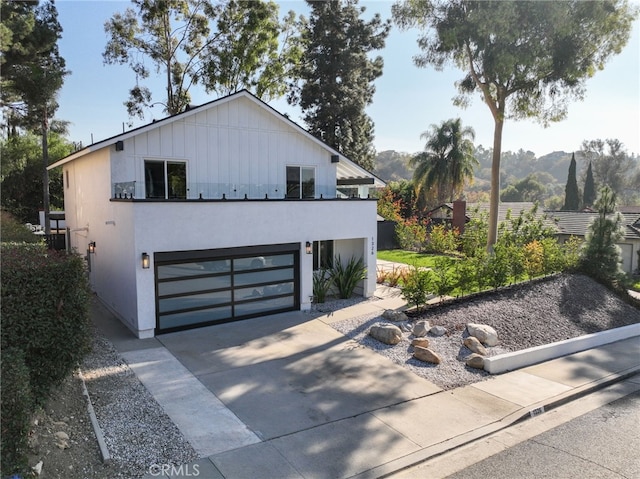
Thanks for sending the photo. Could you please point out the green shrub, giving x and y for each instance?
(442, 280)
(11, 230)
(16, 411)
(442, 240)
(416, 287)
(322, 282)
(533, 259)
(553, 260)
(497, 267)
(346, 277)
(571, 252)
(44, 312)
(411, 234)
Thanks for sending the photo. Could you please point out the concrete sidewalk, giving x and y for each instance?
(287, 396)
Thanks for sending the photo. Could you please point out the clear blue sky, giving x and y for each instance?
(407, 100)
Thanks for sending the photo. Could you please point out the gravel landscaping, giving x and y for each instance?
(524, 316)
(140, 435)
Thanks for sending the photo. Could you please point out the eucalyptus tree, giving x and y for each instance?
(336, 76)
(526, 59)
(225, 46)
(447, 161)
(32, 74)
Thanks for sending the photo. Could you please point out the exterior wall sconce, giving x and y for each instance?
(308, 248)
(92, 247)
(146, 261)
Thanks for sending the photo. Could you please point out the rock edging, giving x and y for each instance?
(104, 450)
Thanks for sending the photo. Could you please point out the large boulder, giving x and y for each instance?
(395, 316)
(485, 334)
(474, 361)
(421, 329)
(426, 355)
(386, 333)
(438, 331)
(475, 345)
(422, 342)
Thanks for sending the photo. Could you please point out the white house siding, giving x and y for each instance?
(236, 143)
(92, 217)
(213, 225)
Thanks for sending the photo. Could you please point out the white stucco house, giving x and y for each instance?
(219, 213)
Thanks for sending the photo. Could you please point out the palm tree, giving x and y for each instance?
(446, 162)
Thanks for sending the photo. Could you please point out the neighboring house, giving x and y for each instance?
(576, 223)
(216, 214)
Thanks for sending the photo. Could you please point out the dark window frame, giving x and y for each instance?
(160, 174)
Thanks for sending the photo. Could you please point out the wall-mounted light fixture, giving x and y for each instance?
(146, 261)
(308, 248)
(92, 247)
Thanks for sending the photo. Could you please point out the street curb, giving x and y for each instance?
(104, 451)
(422, 455)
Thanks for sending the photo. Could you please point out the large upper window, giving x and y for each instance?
(301, 182)
(165, 179)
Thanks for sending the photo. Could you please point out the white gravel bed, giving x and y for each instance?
(525, 315)
(136, 429)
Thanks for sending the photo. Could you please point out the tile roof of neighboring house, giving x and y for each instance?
(577, 223)
(445, 211)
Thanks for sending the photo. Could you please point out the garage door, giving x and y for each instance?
(199, 288)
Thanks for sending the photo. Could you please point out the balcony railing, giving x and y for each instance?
(229, 191)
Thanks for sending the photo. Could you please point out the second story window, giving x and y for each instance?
(301, 182)
(165, 179)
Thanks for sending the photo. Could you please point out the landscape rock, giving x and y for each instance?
(422, 342)
(474, 361)
(426, 355)
(486, 334)
(386, 333)
(438, 331)
(395, 316)
(37, 469)
(421, 329)
(62, 439)
(475, 345)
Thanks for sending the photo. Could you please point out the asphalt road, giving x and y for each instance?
(594, 437)
(604, 443)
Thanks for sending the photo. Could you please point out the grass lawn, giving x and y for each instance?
(420, 260)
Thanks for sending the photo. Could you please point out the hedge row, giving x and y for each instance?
(45, 325)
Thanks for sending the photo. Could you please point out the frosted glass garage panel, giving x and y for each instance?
(257, 262)
(194, 285)
(194, 317)
(263, 291)
(244, 279)
(193, 269)
(257, 307)
(194, 301)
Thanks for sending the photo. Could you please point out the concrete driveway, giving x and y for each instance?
(287, 373)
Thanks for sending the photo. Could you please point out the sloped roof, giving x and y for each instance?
(577, 223)
(515, 207)
(347, 169)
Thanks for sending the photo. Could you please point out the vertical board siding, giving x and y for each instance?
(232, 143)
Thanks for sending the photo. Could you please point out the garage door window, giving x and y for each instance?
(207, 291)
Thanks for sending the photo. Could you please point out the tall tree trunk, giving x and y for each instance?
(494, 200)
(45, 174)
